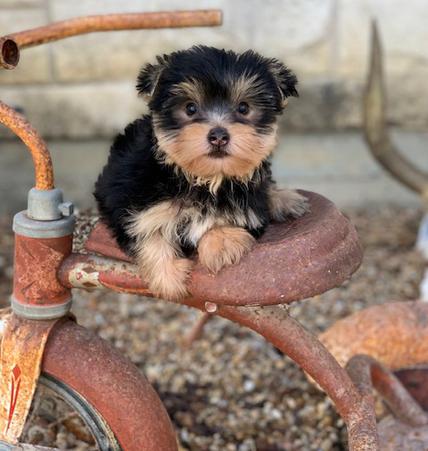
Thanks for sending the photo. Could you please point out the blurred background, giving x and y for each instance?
(80, 92)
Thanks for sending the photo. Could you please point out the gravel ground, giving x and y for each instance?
(231, 390)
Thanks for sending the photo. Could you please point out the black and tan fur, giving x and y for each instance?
(194, 174)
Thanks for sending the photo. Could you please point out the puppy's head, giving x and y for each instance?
(214, 111)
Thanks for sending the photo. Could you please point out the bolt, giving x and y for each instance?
(66, 208)
(210, 307)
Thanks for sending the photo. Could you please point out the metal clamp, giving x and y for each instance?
(47, 216)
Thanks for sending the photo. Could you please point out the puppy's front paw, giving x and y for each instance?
(223, 246)
(285, 202)
(168, 280)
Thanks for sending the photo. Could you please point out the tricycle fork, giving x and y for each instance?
(22, 344)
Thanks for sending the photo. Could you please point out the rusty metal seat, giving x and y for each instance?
(293, 260)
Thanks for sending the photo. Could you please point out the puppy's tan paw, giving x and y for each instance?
(285, 202)
(169, 279)
(223, 246)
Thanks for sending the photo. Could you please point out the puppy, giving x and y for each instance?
(195, 174)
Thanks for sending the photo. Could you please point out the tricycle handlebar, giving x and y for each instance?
(43, 168)
(11, 44)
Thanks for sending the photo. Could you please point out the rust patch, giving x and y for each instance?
(395, 334)
(35, 273)
(22, 347)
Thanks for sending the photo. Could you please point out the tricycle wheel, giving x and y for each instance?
(58, 407)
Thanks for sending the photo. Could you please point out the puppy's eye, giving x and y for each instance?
(191, 109)
(243, 108)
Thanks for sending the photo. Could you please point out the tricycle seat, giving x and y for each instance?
(293, 260)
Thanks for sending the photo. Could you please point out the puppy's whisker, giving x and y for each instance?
(166, 137)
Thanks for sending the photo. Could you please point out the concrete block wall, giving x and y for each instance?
(83, 87)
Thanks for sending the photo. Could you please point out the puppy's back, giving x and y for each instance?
(124, 177)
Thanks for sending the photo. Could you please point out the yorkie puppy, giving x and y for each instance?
(195, 174)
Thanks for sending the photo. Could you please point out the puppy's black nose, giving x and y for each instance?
(218, 137)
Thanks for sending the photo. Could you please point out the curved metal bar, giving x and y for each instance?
(90, 271)
(113, 385)
(197, 329)
(9, 53)
(284, 332)
(43, 169)
(367, 373)
(112, 22)
(376, 130)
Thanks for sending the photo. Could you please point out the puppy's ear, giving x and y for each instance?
(285, 79)
(149, 76)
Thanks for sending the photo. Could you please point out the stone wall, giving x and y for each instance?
(84, 86)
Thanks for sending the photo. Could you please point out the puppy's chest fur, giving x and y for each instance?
(241, 210)
(185, 218)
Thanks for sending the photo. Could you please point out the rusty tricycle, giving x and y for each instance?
(44, 349)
